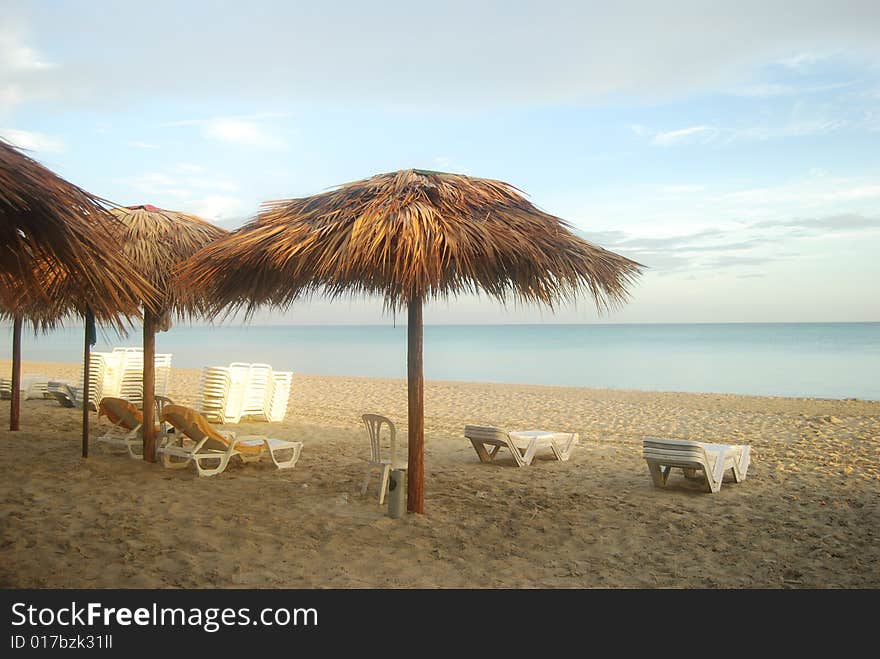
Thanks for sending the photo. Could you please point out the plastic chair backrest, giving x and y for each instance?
(194, 425)
(374, 423)
(120, 412)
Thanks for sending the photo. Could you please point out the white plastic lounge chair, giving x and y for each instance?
(712, 460)
(522, 444)
(204, 445)
(65, 393)
(5, 389)
(127, 421)
(36, 388)
(373, 424)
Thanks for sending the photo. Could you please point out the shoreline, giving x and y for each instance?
(806, 516)
(36, 367)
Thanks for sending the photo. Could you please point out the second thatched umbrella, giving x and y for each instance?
(155, 241)
(408, 236)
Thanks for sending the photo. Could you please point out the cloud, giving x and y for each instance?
(795, 125)
(143, 145)
(770, 90)
(22, 69)
(186, 187)
(16, 56)
(730, 260)
(815, 191)
(32, 141)
(843, 222)
(188, 168)
(680, 190)
(403, 56)
(739, 247)
(612, 237)
(248, 130)
(218, 208)
(236, 131)
(795, 128)
(683, 135)
(802, 61)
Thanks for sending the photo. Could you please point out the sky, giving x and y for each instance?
(730, 147)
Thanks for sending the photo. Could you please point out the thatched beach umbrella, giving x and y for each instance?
(155, 241)
(408, 236)
(58, 300)
(58, 250)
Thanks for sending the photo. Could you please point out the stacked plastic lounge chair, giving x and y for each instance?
(131, 374)
(243, 391)
(96, 375)
(120, 374)
(698, 460)
(238, 384)
(35, 387)
(131, 380)
(162, 370)
(280, 395)
(257, 399)
(214, 392)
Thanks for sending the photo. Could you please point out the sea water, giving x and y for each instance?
(825, 360)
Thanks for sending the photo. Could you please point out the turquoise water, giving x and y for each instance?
(826, 360)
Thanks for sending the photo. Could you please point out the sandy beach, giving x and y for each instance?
(808, 516)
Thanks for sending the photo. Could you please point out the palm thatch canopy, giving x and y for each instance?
(408, 236)
(410, 233)
(60, 298)
(155, 240)
(50, 225)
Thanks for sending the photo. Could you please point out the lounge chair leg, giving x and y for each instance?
(291, 461)
(168, 462)
(658, 474)
(564, 453)
(208, 471)
(741, 467)
(529, 454)
(481, 451)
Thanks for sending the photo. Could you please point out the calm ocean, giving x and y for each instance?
(826, 360)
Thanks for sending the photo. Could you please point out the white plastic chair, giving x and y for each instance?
(373, 424)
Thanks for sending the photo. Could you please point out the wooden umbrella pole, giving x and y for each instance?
(15, 403)
(416, 416)
(85, 391)
(149, 427)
